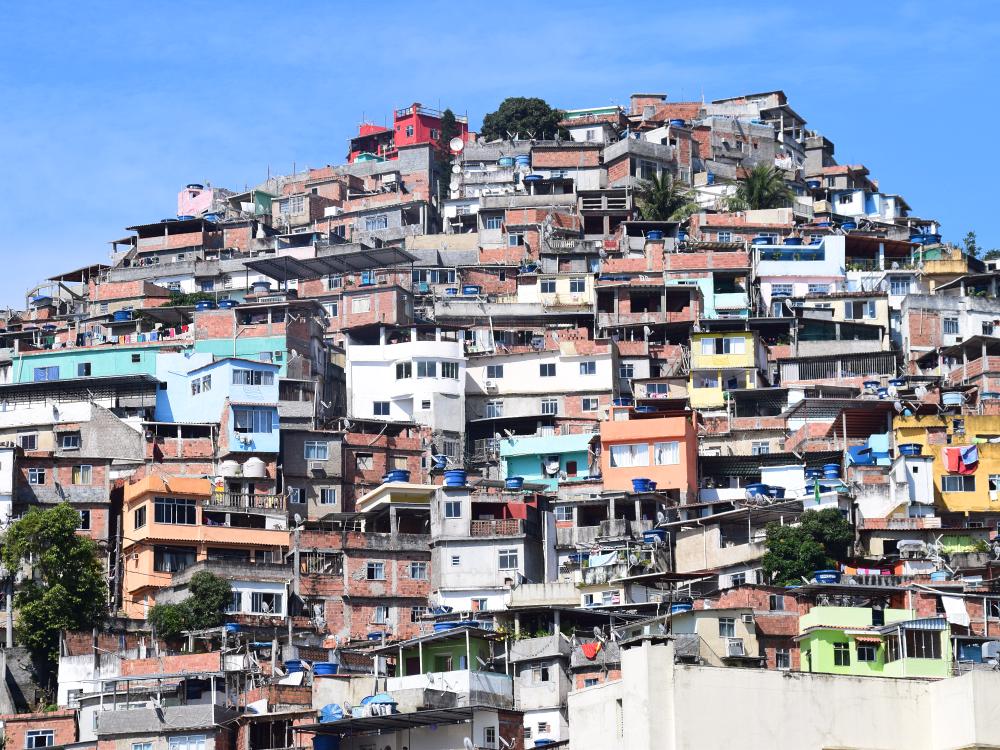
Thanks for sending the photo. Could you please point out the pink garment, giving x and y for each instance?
(952, 460)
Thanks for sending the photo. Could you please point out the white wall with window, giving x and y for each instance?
(541, 373)
(259, 598)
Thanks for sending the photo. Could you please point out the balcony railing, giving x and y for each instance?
(246, 501)
(498, 527)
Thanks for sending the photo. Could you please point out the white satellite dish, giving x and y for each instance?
(454, 185)
(456, 168)
(456, 144)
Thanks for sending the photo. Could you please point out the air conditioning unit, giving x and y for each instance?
(317, 467)
(491, 386)
(747, 618)
(734, 647)
(333, 211)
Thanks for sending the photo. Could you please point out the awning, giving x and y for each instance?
(873, 639)
(285, 267)
(955, 610)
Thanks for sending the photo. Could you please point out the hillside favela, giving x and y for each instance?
(645, 425)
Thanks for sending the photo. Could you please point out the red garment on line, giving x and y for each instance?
(590, 649)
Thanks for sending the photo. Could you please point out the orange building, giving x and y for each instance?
(659, 447)
(176, 526)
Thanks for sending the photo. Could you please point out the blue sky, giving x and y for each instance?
(110, 107)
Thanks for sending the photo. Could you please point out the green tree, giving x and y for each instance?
(67, 588)
(665, 199)
(972, 247)
(169, 621)
(529, 117)
(817, 542)
(204, 607)
(178, 299)
(763, 187)
(444, 157)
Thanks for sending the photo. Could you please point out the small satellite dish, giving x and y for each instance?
(456, 168)
(454, 184)
(456, 144)
(297, 518)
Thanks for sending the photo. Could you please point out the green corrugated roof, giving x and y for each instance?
(546, 444)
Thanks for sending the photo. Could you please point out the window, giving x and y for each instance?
(819, 289)
(364, 461)
(725, 236)
(252, 377)
(172, 559)
(174, 511)
(139, 517)
(375, 571)
(626, 370)
(987, 328)
(142, 746)
(265, 603)
(452, 508)
(577, 285)
(590, 134)
(327, 495)
(39, 738)
(494, 372)
(425, 404)
(380, 614)
(493, 222)
(858, 310)
(84, 520)
(589, 403)
(70, 441)
(316, 450)
(334, 281)
(724, 345)
(508, 558)
(760, 448)
(727, 627)
(957, 483)
(490, 736)
(450, 448)
(588, 368)
(737, 579)
(409, 130)
(842, 654)
(547, 286)
(380, 408)
(993, 607)
(899, 285)
(417, 613)
(782, 658)
(427, 369)
(666, 454)
(449, 370)
(647, 169)
(563, 513)
(515, 239)
(776, 603)
(547, 370)
(294, 494)
(249, 420)
(923, 644)
(950, 326)
(867, 652)
(418, 571)
(83, 370)
(480, 605)
(377, 222)
(550, 406)
(404, 370)
(46, 373)
(28, 441)
(781, 290)
(630, 454)
(844, 198)
(589, 682)
(82, 474)
(361, 304)
(494, 409)
(456, 560)
(136, 358)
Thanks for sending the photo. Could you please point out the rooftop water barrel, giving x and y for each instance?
(652, 486)
(228, 304)
(254, 468)
(939, 575)
(831, 471)
(882, 392)
(932, 239)
(261, 286)
(326, 742)
(871, 384)
(455, 477)
(682, 236)
(293, 665)
(823, 223)
(897, 382)
(710, 178)
(654, 234)
(910, 449)
(451, 291)
(952, 398)
(205, 304)
(640, 484)
(644, 409)
(184, 217)
(816, 241)
(211, 217)
(814, 473)
(514, 483)
(232, 627)
(471, 289)
(677, 607)
(848, 225)
(678, 123)
(195, 186)
(398, 475)
(506, 161)
(654, 536)
(813, 184)
(756, 488)
(533, 178)
(121, 315)
(793, 241)
(989, 395)
(330, 712)
(523, 160)
(826, 576)
(440, 461)
(760, 241)
(375, 636)
(442, 626)
(775, 492)
(229, 468)
(322, 668)
(49, 327)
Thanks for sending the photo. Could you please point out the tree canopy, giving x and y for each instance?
(763, 187)
(205, 607)
(67, 588)
(794, 552)
(528, 117)
(663, 198)
(443, 155)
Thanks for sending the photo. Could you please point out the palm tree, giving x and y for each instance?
(664, 199)
(763, 187)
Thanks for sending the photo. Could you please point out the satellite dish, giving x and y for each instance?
(297, 518)
(454, 184)
(456, 144)
(456, 168)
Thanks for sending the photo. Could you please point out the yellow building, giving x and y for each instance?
(723, 362)
(970, 493)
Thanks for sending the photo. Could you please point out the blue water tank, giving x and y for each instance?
(677, 123)
(184, 217)
(831, 471)
(654, 536)
(451, 291)
(326, 742)
(523, 160)
(939, 575)
(826, 576)
(910, 449)
(514, 483)
(455, 477)
(211, 217)
(505, 161)
(205, 304)
(849, 225)
(682, 236)
(793, 241)
(321, 668)
(398, 475)
(640, 484)
(293, 665)
(195, 186)
(533, 178)
(677, 607)
(952, 398)
(121, 315)
(814, 473)
(228, 304)
(654, 234)
(775, 492)
(813, 184)
(440, 627)
(761, 241)
(710, 178)
(440, 461)
(471, 289)
(756, 488)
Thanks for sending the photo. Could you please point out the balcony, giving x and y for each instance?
(250, 503)
(900, 524)
(469, 688)
(498, 527)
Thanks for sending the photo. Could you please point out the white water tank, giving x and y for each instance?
(254, 468)
(229, 468)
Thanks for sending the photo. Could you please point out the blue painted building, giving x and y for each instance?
(549, 459)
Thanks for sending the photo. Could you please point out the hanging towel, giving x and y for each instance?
(590, 650)
(952, 459)
(970, 454)
(598, 561)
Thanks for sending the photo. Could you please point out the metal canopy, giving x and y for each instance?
(285, 267)
(392, 721)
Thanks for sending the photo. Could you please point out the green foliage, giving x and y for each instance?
(530, 117)
(794, 552)
(179, 299)
(205, 607)
(67, 589)
(665, 199)
(763, 187)
(972, 247)
(443, 157)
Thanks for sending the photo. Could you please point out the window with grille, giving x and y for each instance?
(842, 654)
(36, 476)
(550, 406)
(950, 325)
(493, 222)
(449, 370)
(35, 738)
(265, 603)
(327, 495)
(418, 571)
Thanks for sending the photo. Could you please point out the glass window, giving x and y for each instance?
(28, 441)
(174, 510)
(417, 613)
(380, 614)
(899, 285)
(404, 370)
(139, 517)
(589, 403)
(725, 236)
(83, 370)
(630, 454)
(493, 222)
(547, 286)
(564, 512)
(250, 420)
(951, 325)
(375, 571)
(172, 559)
(418, 571)
(427, 369)
(327, 495)
(452, 508)
(588, 368)
(334, 281)
(781, 290)
(456, 560)
(252, 377)
(46, 373)
(577, 285)
(39, 738)
(550, 406)
(760, 448)
(265, 603)
(923, 644)
(867, 652)
(374, 223)
(494, 409)
(842, 654)
(727, 627)
(380, 408)
(782, 658)
(142, 746)
(776, 603)
(494, 372)
(36, 476)
(449, 370)
(958, 483)
(82, 474)
(361, 304)
(508, 558)
(316, 450)
(294, 494)
(819, 289)
(84, 520)
(667, 453)
(514, 239)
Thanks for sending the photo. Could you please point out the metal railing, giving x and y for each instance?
(246, 501)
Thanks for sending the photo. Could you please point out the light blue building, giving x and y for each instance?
(239, 394)
(549, 459)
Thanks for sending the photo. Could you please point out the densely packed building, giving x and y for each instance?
(489, 459)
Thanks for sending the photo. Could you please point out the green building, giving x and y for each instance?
(548, 459)
(865, 642)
